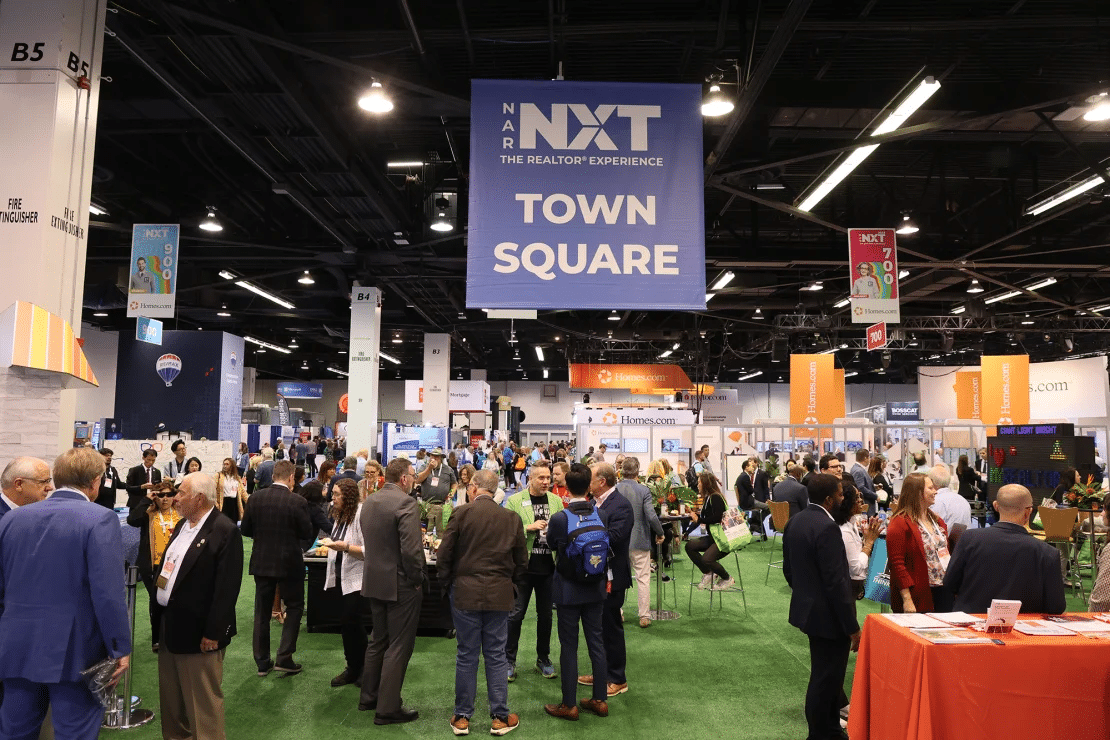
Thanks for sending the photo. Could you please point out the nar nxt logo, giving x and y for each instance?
(575, 126)
(609, 418)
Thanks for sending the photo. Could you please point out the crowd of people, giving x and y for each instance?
(553, 534)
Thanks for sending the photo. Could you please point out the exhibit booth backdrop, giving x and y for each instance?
(127, 453)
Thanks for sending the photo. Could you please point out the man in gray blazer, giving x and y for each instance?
(863, 481)
(646, 522)
(393, 580)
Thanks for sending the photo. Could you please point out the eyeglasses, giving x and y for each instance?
(40, 481)
(164, 495)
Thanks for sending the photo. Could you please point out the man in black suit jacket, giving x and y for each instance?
(617, 515)
(142, 477)
(278, 521)
(752, 491)
(199, 582)
(110, 483)
(791, 490)
(822, 604)
(1006, 562)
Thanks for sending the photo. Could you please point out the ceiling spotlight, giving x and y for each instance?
(907, 226)
(1069, 343)
(715, 103)
(305, 279)
(614, 316)
(223, 312)
(913, 340)
(441, 223)
(210, 223)
(1100, 111)
(975, 287)
(375, 100)
(758, 315)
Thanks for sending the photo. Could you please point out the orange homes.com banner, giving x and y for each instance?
(968, 395)
(816, 394)
(1005, 389)
(646, 378)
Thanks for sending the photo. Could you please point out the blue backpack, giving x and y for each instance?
(587, 551)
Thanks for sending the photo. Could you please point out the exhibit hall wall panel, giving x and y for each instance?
(101, 348)
(437, 380)
(363, 360)
(231, 388)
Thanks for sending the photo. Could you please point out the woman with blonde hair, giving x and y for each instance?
(230, 485)
(372, 479)
(466, 474)
(917, 545)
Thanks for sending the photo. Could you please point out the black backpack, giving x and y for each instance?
(691, 478)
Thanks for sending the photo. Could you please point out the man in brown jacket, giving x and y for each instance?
(482, 554)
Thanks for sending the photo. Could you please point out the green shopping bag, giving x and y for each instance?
(732, 534)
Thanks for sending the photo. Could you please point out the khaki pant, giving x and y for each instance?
(641, 571)
(190, 694)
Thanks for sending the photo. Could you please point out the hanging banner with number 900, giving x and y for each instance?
(152, 285)
(873, 262)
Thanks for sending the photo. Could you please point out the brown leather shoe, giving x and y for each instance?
(645, 622)
(562, 711)
(503, 726)
(586, 680)
(460, 725)
(613, 689)
(598, 707)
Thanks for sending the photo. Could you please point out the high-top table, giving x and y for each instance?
(659, 613)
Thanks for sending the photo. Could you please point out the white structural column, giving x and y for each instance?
(50, 54)
(363, 359)
(477, 422)
(437, 379)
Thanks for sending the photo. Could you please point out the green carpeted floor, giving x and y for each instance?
(732, 674)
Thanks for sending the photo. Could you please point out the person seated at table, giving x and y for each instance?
(1005, 562)
(917, 546)
(155, 518)
(712, 511)
(1100, 593)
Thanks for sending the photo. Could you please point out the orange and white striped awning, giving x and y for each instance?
(36, 338)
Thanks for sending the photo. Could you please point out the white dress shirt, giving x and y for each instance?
(952, 508)
(11, 504)
(175, 553)
(853, 545)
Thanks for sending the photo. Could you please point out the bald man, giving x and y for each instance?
(1006, 562)
(24, 481)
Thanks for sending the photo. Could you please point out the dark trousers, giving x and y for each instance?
(591, 617)
(292, 593)
(612, 632)
(510, 476)
(391, 643)
(75, 712)
(828, 659)
(231, 507)
(542, 587)
(353, 632)
(707, 562)
(156, 609)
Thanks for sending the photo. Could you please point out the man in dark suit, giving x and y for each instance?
(264, 473)
(110, 483)
(198, 584)
(1006, 562)
(617, 514)
(822, 604)
(576, 602)
(393, 580)
(791, 490)
(143, 477)
(350, 472)
(278, 521)
(864, 484)
(62, 606)
(480, 557)
(25, 480)
(752, 492)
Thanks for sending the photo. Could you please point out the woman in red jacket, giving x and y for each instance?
(917, 545)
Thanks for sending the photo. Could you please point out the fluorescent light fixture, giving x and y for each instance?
(1072, 192)
(708, 296)
(267, 345)
(96, 210)
(959, 309)
(100, 313)
(264, 293)
(1003, 297)
(539, 353)
(925, 90)
(305, 279)
(715, 103)
(342, 351)
(902, 274)
(668, 353)
(749, 376)
(676, 346)
(1100, 309)
(975, 287)
(848, 375)
(406, 163)
(375, 100)
(723, 280)
(1101, 109)
(391, 358)
(1042, 284)
(338, 371)
(770, 186)
(842, 303)
(226, 275)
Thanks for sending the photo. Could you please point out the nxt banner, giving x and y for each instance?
(1005, 389)
(968, 398)
(816, 395)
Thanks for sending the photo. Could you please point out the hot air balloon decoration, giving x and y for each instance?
(168, 366)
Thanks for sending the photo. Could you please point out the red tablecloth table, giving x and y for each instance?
(907, 688)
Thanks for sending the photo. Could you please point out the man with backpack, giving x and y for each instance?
(578, 588)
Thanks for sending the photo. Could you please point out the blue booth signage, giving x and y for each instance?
(292, 389)
(586, 194)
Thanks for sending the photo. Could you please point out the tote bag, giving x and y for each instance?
(877, 587)
(732, 534)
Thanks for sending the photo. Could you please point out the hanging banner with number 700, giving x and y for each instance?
(873, 262)
(876, 336)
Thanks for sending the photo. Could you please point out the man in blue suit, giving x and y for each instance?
(62, 606)
(617, 514)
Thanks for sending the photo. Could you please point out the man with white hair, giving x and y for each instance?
(264, 474)
(25, 480)
(198, 585)
(949, 505)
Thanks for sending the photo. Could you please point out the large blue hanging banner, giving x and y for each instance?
(585, 195)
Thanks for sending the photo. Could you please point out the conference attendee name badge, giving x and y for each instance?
(167, 571)
(945, 557)
(435, 482)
